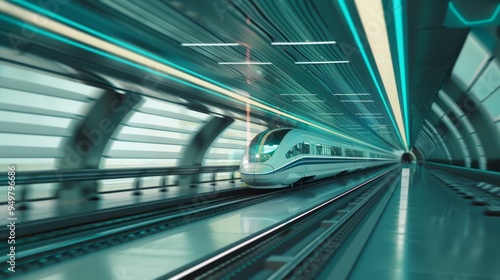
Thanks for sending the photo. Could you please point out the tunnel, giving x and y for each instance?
(262, 139)
(407, 158)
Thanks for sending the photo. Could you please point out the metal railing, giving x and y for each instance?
(491, 177)
(29, 178)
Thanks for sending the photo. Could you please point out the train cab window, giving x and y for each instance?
(264, 144)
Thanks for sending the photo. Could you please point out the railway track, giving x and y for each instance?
(43, 248)
(53, 247)
(297, 247)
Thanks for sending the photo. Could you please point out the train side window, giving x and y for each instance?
(298, 150)
(306, 148)
(319, 149)
(294, 151)
(336, 151)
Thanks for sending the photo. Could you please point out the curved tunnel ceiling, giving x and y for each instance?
(343, 92)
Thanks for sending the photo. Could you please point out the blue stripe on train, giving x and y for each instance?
(317, 160)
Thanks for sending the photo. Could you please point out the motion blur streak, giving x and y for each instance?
(66, 31)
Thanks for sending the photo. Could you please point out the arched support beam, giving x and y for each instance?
(85, 148)
(469, 129)
(195, 151)
(433, 148)
(454, 131)
(418, 155)
(418, 146)
(440, 139)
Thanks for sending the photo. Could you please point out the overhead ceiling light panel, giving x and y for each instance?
(245, 63)
(314, 101)
(397, 6)
(210, 44)
(331, 114)
(302, 43)
(371, 13)
(342, 94)
(322, 62)
(360, 101)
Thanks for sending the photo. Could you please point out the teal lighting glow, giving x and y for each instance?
(355, 34)
(400, 39)
(115, 41)
(257, 103)
(69, 22)
(105, 54)
(81, 27)
(459, 15)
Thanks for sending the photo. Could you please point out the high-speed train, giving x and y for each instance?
(284, 157)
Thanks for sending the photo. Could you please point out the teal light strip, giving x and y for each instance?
(355, 34)
(69, 22)
(400, 39)
(459, 15)
(136, 65)
(105, 54)
(129, 47)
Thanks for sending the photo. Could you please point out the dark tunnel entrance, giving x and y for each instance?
(407, 158)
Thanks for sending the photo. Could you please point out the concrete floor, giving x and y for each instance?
(429, 232)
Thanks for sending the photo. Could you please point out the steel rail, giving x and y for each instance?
(195, 270)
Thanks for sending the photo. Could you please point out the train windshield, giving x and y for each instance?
(264, 144)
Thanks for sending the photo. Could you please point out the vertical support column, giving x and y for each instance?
(84, 149)
(194, 152)
(163, 184)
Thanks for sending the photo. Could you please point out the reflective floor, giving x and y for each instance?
(153, 256)
(52, 208)
(431, 233)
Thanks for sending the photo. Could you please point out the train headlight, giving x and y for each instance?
(256, 168)
(263, 168)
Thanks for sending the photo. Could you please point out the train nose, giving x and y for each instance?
(253, 171)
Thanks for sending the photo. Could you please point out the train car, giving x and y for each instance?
(284, 157)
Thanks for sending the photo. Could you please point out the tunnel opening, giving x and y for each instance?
(407, 158)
